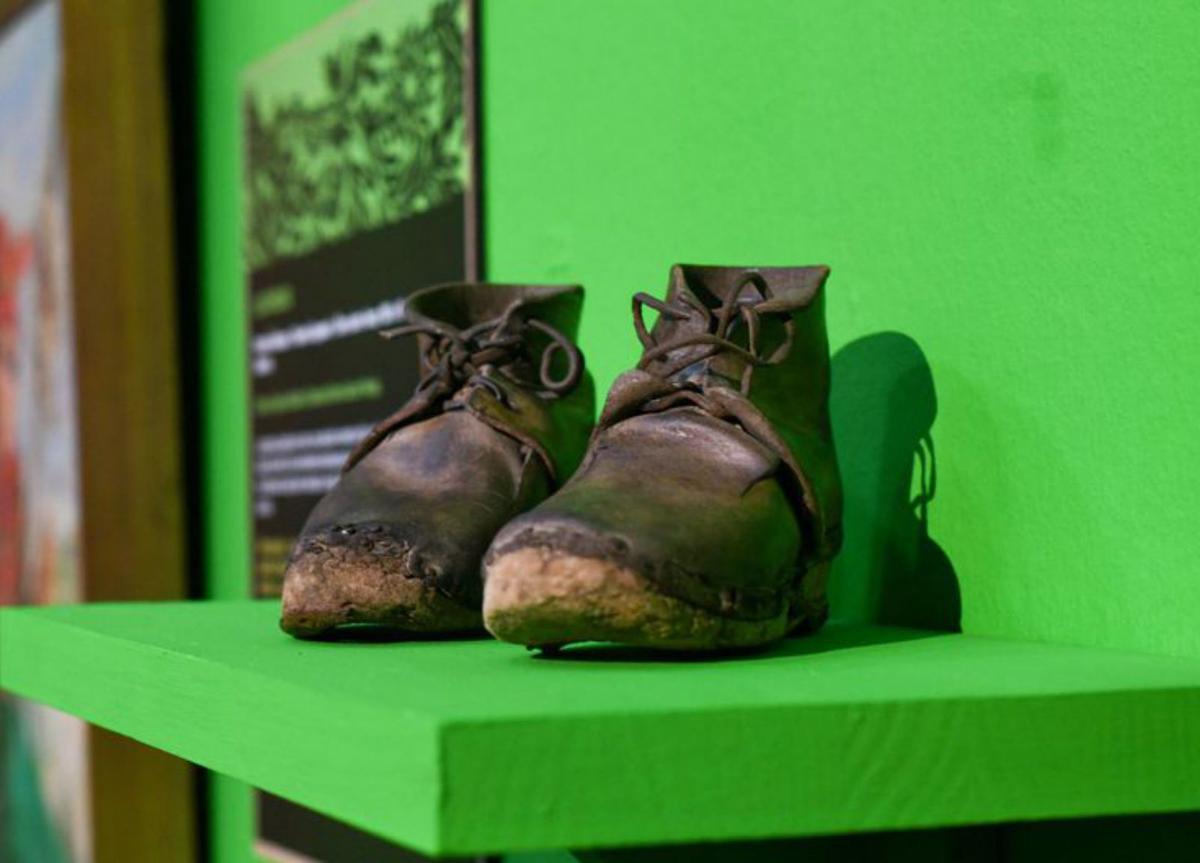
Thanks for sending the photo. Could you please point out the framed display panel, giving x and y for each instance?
(359, 186)
(93, 486)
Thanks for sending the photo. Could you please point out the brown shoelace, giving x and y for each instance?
(720, 326)
(461, 359)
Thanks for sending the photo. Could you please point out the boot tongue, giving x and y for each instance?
(704, 295)
(790, 288)
(710, 286)
(698, 295)
(463, 305)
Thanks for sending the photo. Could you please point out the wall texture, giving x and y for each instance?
(1008, 194)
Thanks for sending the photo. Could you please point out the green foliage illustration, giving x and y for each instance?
(383, 141)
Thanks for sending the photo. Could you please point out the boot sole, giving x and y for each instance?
(343, 587)
(545, 597)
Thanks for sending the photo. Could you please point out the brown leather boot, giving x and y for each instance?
(708, 506)
(500, 417)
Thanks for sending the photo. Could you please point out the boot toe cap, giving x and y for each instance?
(540, 597)
(363, 574)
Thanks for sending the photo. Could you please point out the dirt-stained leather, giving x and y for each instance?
(711, 471)
(500, 419)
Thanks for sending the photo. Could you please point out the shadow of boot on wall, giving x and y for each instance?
(890, 569)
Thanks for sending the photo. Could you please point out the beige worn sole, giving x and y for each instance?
(542, 597)
(343, 586)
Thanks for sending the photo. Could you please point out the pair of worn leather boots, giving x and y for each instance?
(701, 511)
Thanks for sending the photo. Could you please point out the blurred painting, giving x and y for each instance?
(43, 754)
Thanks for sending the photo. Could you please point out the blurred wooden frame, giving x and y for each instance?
(130, 431)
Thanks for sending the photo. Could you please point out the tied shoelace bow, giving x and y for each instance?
(720, 327)
(462, 359)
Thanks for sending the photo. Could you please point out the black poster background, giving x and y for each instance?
(362, 272)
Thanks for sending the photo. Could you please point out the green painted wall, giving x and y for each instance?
(1009, 196)
(1015, 187)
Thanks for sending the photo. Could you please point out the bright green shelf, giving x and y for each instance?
(476, 746)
